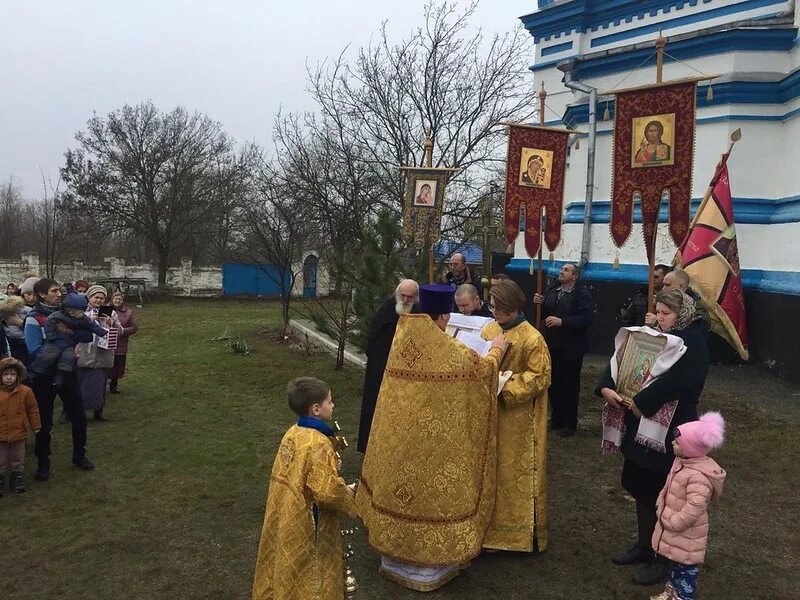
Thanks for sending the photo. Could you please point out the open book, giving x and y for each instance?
(475, 342)
(482, 347)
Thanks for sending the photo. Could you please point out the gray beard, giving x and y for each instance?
(401, 308)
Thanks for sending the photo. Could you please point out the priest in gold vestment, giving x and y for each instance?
(427, 485)
(519, 522)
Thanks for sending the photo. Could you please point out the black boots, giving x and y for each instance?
(114, 386)
(654, 572)
(633, 556)
(15, 483)
(98, 416)
(83, 463)
(42, 471)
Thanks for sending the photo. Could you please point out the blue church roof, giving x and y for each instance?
(472, 252)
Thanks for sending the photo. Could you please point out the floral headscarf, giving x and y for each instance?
(686, 314)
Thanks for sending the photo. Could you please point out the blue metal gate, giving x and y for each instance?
(255, 280)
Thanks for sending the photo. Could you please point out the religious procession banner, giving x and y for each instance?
(710, 256)
(423, 203)
(535, 170)
(653, 156)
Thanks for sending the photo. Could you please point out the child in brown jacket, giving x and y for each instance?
(17, 405)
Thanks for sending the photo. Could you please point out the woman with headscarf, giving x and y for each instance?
(644, 426)
(95, 359)
(128, 327)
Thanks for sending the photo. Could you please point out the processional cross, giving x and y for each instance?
(487, 229)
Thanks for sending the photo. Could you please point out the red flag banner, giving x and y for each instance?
(653, 154)
(710, 256)
(535, 169)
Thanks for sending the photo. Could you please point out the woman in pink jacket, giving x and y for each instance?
(681, 533)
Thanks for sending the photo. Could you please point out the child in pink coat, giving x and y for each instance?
(681, 533)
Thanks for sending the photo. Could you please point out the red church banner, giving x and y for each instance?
(535, 169)
(653, 155)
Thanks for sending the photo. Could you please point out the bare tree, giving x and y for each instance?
(160, 175)
(445, 78)
(273, 230)
(11, 210)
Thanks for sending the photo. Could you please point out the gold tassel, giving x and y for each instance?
(606, 113)
(578, 144)
(616, 261)
(710, 94)
(551, 257)
(531, 269)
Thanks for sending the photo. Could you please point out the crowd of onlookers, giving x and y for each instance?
(69, 341)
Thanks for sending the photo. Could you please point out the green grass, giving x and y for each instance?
(175, 506)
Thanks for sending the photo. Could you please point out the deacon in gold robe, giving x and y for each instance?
(300, 554)
(519, 521)
(427, 485)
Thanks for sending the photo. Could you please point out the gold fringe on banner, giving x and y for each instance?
(616, 261)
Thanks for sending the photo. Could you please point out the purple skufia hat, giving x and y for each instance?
(436, 298)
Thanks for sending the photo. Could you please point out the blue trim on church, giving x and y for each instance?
(751, 211)
(554, 20)
(732, 92)
(776, 282)
(555, 49)
(752, 40)
(683, 21)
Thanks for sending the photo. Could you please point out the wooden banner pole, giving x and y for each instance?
(539, 278)
(661, 41)
(429, 164)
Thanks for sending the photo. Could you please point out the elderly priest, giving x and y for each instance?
(427, 486)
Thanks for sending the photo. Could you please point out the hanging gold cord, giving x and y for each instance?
(616, 261)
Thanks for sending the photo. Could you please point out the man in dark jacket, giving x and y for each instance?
(636, 309)
(567, 312)
(460, 273)
(49, 294)
(379, 343)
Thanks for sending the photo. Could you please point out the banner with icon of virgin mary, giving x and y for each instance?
(653, 156)
(423, 202)
(535, 169)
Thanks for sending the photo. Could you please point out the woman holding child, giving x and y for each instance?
(645, 426)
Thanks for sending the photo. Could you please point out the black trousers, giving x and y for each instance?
(565, 389)
(45, 393)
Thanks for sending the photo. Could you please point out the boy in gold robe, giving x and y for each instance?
(519, 522)
(300, 554)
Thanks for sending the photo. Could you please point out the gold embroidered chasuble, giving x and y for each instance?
(296, 558)
(519, 521)
(427, 483)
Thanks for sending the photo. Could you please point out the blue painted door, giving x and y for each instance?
(255, 280)
(310, 276)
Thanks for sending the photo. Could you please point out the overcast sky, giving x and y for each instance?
(238, 61)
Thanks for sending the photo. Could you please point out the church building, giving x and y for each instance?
(753, 49)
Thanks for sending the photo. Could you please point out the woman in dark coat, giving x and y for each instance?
(645, 468)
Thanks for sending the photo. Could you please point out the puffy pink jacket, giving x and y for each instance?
(681, 533)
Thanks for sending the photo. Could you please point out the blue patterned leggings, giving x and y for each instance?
(684, 580)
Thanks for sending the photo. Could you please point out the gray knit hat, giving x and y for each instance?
(27, 285)
(96, 288)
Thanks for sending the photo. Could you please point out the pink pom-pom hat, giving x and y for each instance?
(699, 437)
